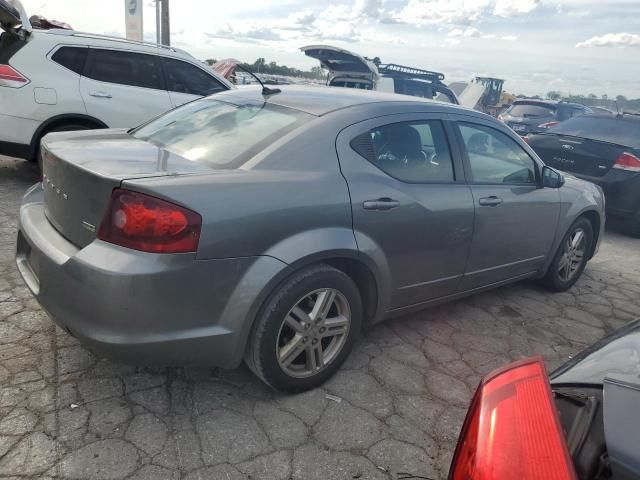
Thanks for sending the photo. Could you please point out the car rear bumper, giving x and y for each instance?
(138, 307)
(16, 134)
(622, 191)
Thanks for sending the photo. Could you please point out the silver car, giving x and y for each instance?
(274, 228)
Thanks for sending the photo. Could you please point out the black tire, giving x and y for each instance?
(262, 356)
(553, 280)
(62, 128)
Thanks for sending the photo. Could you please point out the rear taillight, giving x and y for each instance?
(10, 77)
(547, 125)
(526, 138)
(628, 161)
(512, 429)
(142, 222)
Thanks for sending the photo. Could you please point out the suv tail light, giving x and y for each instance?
(628, 161)
(512, 429)
(149, 224)
(548, 125)
(10, 77)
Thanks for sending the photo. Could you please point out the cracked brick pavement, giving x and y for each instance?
(403, 393)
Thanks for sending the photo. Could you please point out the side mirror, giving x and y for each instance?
(551, 178)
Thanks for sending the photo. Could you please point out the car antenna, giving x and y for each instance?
(265, 90)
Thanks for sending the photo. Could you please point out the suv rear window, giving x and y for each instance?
(621, 131)
(72, 58)
(532, 110)
(126, 68)
(219, 134)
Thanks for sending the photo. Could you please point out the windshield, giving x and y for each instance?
(531, 110)
(621, 131)
(220, 134)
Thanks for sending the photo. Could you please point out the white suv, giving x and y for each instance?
(59, 80)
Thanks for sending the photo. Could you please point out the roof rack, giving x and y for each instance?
(58, 31)
(392, 68)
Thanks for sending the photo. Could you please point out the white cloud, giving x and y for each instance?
(511, 8)
(245, 33)
(472, 32)
(612, 40)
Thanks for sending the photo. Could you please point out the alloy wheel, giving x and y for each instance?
(313, 333)
(572, 255)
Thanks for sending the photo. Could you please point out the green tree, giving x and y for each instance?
(554, 95)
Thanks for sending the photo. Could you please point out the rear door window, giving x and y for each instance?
(124, 68)
(412, 152)
(532, 110)
(183, 77)
(73, 58)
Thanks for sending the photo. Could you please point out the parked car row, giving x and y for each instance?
(533, 116)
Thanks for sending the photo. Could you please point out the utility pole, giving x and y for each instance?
(165, 29)
(158, 10)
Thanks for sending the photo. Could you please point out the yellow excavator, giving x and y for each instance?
(486, 94)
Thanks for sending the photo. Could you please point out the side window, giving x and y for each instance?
(413, 152)
(126, 68)
(495, 157)
(72, 58)
(183, 77)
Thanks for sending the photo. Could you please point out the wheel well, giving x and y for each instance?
(594, 219)
(61, 121)
(364, 280)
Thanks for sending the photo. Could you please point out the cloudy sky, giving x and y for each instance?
(576, 46)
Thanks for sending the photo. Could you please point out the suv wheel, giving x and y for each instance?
(61, 128)
(306, 330)
(571, 257)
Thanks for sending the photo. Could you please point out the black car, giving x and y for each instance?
(580, 423)
(531, 116)
(603, 150)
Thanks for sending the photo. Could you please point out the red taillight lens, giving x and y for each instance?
(628, 161)
(548, 125)
(512, 429)
(526, 138)
(10, 77)
(142, 222)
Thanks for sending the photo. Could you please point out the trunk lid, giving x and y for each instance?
(13, 17)
(81, 169)
(342, 63)
(582, 156)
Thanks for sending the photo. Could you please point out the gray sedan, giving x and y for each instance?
(274, 228)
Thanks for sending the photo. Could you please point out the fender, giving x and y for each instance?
(64, 118)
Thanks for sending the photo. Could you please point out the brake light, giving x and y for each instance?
(512, 429)
(10, 77)
(548, 125)
(526, 138)
(149, 224)
(628, 161)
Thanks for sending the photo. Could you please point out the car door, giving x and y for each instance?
(515, 217)
(411, 207)
(123, 88)
(186, 82)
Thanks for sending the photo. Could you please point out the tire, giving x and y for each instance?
(279, 328)
(561, 277)
(61, 128)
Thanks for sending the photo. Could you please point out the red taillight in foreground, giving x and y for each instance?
(512, 430)
(628, 161)
(142, 222)
(10, 77)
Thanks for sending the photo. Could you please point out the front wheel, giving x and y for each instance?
(306, 330)
(571, 257)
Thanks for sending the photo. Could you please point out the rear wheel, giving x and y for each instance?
(306, 330)
(571, 257)
(61, 128)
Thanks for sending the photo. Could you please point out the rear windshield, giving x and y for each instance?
(532, 110)
(621, 131)
(219, 134)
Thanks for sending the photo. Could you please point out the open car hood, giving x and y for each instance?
(13, 17)
(340, 61)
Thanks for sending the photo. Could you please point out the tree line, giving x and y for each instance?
(620, 102)
(260, 66)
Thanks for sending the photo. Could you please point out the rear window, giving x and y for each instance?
(532, 110)
(621, 131)
(72, 58)
(219, 134)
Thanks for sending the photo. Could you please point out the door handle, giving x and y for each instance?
(380, 204)
(492, 201)
(100, 94)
